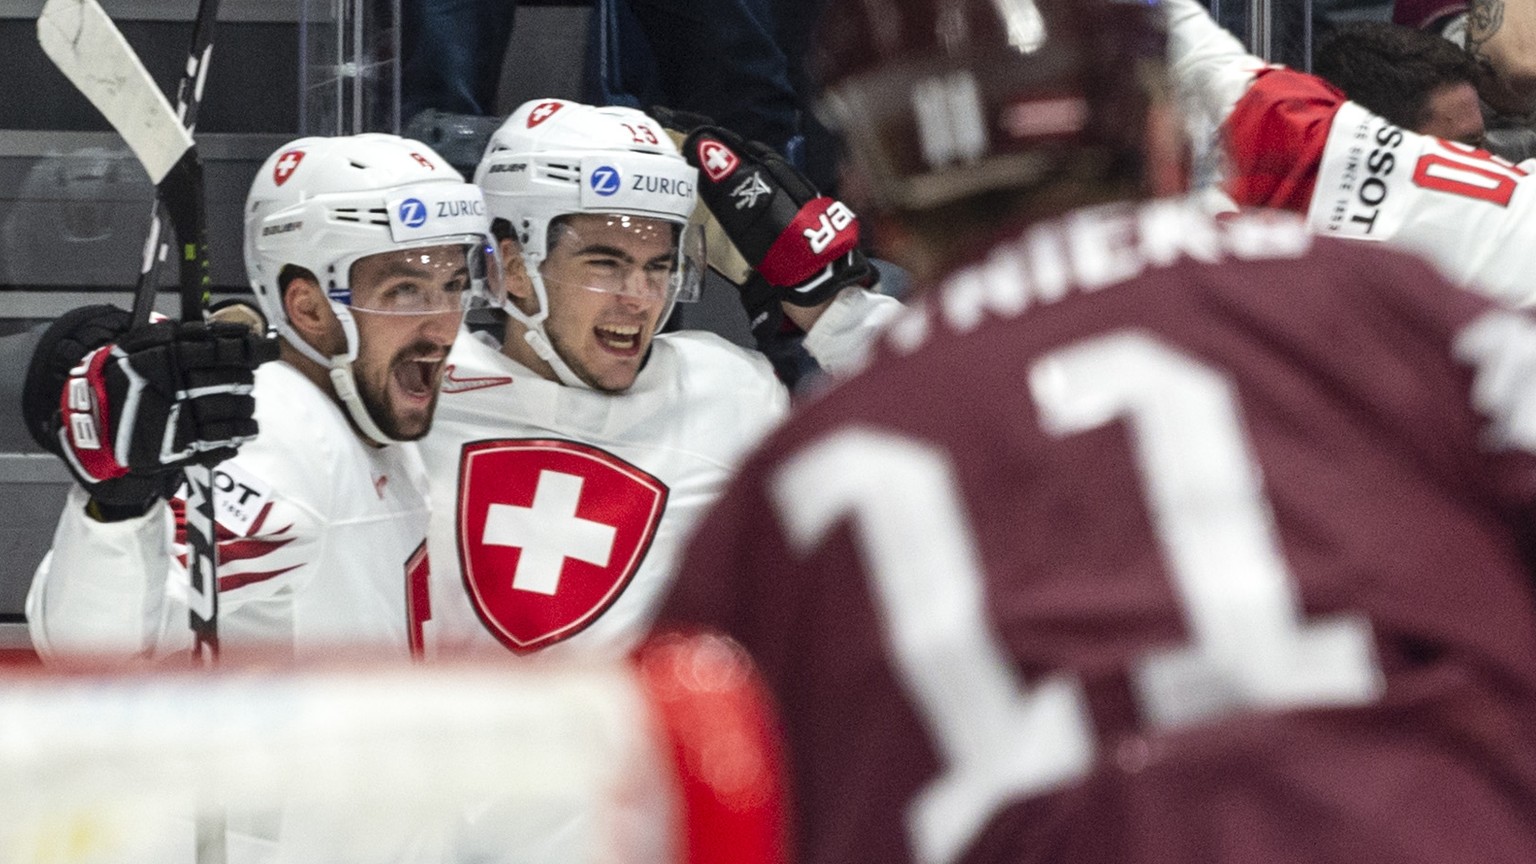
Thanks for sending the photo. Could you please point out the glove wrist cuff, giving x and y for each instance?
(104, 512)
(131, 496)
(851, 269)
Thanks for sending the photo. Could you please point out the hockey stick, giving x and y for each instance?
(82, 41)
(189, 97)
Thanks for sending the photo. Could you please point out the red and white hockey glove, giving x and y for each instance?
(132, 412)
(803, 244)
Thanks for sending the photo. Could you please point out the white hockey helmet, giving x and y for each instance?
(324, 203)
(554, 158)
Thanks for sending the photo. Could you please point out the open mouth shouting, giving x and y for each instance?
(621, 339)
(416, 378)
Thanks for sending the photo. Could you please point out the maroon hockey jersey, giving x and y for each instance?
(1153, 539)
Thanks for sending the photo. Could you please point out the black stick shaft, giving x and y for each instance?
(189, 98)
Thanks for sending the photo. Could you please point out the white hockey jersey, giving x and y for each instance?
(558, 511)
(1294, 142)
(321, 539)
(1355, 175)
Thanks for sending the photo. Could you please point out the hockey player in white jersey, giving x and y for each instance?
(576, 449)
(363, 252)
(1294, 142)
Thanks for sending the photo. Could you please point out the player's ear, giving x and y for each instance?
(310, 314)
(519, 286)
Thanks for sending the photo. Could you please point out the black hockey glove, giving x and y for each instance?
(803, 244)
(127, 409)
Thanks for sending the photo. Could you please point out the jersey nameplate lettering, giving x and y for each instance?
(1091, 250)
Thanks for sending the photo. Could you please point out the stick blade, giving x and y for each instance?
(87, 47)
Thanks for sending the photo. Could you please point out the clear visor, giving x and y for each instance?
(631, 256)
(453, 274)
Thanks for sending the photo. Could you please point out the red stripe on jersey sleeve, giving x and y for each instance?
(1275, 139)
(239, 580)
(233, 548)
(244, 550)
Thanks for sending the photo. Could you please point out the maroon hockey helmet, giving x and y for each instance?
(942, 99)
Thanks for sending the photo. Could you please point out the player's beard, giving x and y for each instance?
(374, 390)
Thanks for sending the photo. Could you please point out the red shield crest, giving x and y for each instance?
(550, 534)
(286, 165)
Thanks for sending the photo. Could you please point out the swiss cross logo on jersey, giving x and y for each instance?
(550, 533)
(543, 111)
(718, 160)
(286, 165)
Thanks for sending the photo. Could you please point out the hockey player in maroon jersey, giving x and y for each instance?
(1144, 537)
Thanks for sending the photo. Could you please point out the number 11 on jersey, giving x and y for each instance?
(998, 739)
(1204, 492)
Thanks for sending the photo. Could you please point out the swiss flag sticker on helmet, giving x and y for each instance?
(543, 111)
(550, 534)
(286, 165)
(718, 160)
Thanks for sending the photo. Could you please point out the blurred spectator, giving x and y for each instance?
(451, 53)
(738, 62)
(1430, 15)
(735, 61)
(1414, 79)
(713, 57)
(1503, 47)
(1294, 27)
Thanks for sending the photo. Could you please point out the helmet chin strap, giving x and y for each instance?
(541, 346)
(343, 381)
(533, 332)
(346, 390)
